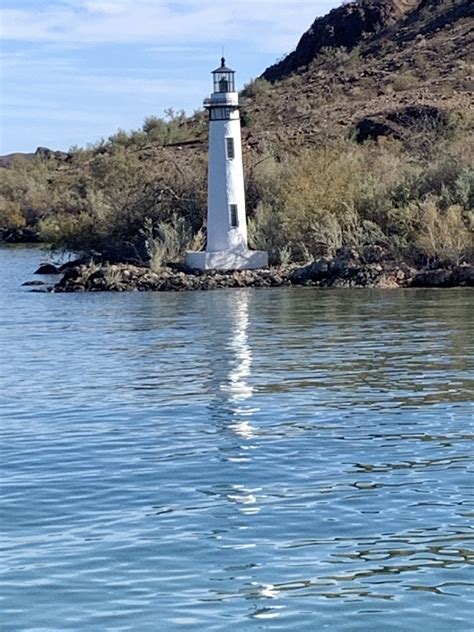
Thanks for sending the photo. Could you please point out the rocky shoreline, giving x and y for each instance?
(19, 236)
(347, 270)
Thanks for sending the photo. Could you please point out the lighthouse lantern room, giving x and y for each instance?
(226, 214)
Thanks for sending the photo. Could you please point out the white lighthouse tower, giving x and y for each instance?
(226, 216)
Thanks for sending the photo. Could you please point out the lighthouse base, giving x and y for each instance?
(241, 259)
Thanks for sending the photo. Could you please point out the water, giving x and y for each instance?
(287, 459)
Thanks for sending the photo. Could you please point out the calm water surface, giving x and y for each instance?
(262, 459)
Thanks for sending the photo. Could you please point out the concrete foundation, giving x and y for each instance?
(241, 259)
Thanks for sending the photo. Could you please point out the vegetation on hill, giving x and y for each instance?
(367, 144)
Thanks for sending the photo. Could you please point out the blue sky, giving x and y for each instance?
(73, 71)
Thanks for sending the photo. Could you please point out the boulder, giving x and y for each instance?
(49, 154)
(48, 268)
(464, 275)
(374, 254)
(345, 259)
(32, 283)
(315, 271)
(74, 263)
(402, 122)
(457, 276)
(434, 278)
(19, 236)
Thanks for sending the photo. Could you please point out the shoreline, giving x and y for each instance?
(348, 270)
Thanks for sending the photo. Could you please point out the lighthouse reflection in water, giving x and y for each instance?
(243, 559)
(231, 375)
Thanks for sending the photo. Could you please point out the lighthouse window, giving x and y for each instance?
(230, 148)
(234, 220)
(220, 114)
(223, 85)
(224, 80)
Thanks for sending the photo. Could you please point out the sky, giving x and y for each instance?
(75, 71)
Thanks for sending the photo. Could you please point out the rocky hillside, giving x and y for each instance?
(369, 59)
(347, 26)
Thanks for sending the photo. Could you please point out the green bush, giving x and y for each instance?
(169, 241)
(257, 88)
(351, 195)
(171, 129)
(25, 191)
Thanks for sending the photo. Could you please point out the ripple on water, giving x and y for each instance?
(274, 460)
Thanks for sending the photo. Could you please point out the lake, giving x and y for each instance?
(273, 459)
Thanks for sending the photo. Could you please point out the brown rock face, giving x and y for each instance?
(346, 26)
(402, 123)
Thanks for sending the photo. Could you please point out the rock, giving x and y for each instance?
(49, 154)
(19, 236)
(464, 275)
(374, 254)
(73, 264)
(347, 269)
(434, 278)
(32, 283)
(47, 268)
(376, 126)
(314, 272)
(401, 123)
(345, 259)
(42, 290)
(387, 282)
(458, 276)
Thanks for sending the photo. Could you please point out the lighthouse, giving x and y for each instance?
(227, 247)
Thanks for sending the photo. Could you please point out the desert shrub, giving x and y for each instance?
(171, 129)
(442, 235)
(404, 81)
(257, 88)
(120, 138)
(461, 190)
(169, 241)
(350, 195)
(11, 216)
(79, 155)
(198, 122)
(319, 192)
(427, 133)
(98, 147)
(25, 190)
(113, 278)
(266, 231)
(303, 208)
(262, 176)
(101, 212)
(138, 138)
(335, 58)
